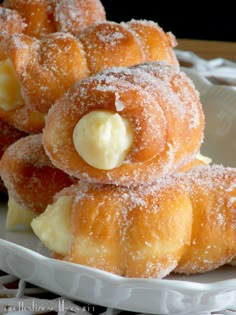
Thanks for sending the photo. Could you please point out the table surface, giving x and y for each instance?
(209, 49)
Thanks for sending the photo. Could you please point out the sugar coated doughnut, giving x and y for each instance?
(157, 109)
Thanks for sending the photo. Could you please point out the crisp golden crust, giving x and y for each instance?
(123, 236)
(160, 117)
(38, 85)
(188, 116)
(110, 44)
(126, 44)
(29, 176)
(156, 42)
(43, 17)
(47, 67)
(213, 240)
(184, 223)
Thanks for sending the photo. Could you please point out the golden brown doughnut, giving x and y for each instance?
(46, 68)
(110, 44)
(212, 193)
(158, 119)
(43, 17)
(29, 176)
(184, 223)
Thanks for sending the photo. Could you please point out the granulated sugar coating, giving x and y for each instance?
(10, 23)
(184, 223)
(42, 17)
(161, 116)
(75, 16)
(47, 67)
(128, 196)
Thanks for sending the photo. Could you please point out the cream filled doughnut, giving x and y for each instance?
(45, 68)
(184, 223)
(155, 118)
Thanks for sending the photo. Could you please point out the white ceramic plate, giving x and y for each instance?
(23, 255)
(219, 105)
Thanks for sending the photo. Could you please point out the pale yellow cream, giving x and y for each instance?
(53, 227)
(103, 139)
(10, 89)
(204, 159)
(18, 217)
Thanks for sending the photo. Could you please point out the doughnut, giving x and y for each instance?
(30, 178)
(126, 126)
(45, 68)
(110, 44)
(43, 17)
(184, 223)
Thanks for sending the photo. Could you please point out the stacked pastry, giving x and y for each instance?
(46, 46)
(32, 19)
(39, 18)
(140, 208)
(112, 169)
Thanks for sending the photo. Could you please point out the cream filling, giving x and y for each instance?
(103, 139)
(17, 216)
(53, 227)
(10, 89)
(205, 159)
